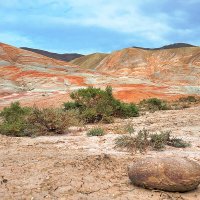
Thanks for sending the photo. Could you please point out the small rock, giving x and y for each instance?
(4, 181)
(172, 174)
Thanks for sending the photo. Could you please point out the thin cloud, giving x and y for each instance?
(101, 24)
(15, 38)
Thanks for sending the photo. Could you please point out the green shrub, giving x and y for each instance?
(125, 110)
(16, 129)
(90, 115)
(22, 121)
(96, 105)
(159, 140)
(144, 140)
(138, 142)
(153, 104)
(185, 102)
(125, 141)
(14, 120)
(95, 132)
(14, 112)
(178, 143)
(49, 121)
(188, 99)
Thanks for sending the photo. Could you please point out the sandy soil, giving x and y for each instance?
(77, 167)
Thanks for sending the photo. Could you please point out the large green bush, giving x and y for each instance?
(14, 120)
(95, 104)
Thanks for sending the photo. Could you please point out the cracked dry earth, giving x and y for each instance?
(77, 167)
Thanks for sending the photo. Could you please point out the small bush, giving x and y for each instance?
(188, 99)
(144, 140)
(14, 120)
(178, 143)
(125, 141)
(153, 104)
(185, 102)
(177, 105)
(95, 132)
(159, 140)
(139, 142)
(50, 121)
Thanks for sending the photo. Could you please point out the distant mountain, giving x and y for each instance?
(90, 61)
(170, 46)
(174, 66)
(64, 57)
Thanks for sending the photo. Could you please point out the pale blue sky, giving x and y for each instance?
(87, 26)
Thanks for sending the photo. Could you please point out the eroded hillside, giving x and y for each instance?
(90, 61)
(180, 66)
(134, 74)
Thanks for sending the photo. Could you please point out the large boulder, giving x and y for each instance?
(172, 174)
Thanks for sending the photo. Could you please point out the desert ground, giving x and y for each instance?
(50, 51)
(77, 167)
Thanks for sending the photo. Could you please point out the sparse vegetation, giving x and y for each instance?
(23, 121)
(128, 128)
(90, 105)
(153, 104)
(188, 99)
(95, 132)
(143, 140)
(178, 143)
(185, 102)
(133, 142)
(96, 105)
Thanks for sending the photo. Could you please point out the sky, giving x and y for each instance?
(88, 26)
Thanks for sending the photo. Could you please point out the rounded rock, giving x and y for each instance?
(172, 174)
